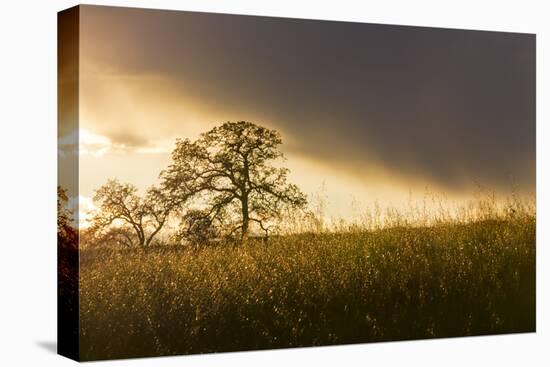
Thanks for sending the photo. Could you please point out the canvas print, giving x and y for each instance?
(234, 183)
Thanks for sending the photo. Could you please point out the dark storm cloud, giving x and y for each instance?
(450, 106)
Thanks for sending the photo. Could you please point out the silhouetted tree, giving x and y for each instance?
(229, 172)
(119, 205)
(67, 272)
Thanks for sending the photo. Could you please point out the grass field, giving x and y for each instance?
(347, 286)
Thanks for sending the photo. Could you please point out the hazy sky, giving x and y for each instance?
(373, 111)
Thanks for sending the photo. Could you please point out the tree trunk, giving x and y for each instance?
(141, 237)
(244, 195)
(159, 226)
(246, 219)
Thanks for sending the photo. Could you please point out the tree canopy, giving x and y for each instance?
(229, 176)
(120, 203)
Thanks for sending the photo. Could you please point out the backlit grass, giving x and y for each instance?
(452, 278)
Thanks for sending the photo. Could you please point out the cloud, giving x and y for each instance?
(452, 108)
(85, 142)
(127, 138)
(67, 144)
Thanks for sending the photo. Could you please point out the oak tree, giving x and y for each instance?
(121, 211)
(230, 174)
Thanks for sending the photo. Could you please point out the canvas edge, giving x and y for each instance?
(68, 319)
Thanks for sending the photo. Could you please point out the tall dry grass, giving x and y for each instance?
(411, 275)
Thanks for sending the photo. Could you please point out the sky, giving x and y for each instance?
(367, 112)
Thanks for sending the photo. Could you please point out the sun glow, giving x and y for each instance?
(84, 207)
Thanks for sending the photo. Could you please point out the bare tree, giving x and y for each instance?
(119, 205)
(229, 173)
